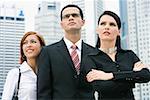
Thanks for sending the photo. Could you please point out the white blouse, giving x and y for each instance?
(27, 88)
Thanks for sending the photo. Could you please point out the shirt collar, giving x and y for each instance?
(69, 43)
(25, 67)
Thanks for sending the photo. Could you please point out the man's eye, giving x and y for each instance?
(75, 15)
(66, 16)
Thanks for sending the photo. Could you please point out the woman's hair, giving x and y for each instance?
(118, 21)
(40, 38)
(112, 14)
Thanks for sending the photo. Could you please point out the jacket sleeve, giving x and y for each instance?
(44, 88)
(141, 76)
(133, 76)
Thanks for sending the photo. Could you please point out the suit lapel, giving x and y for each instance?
(84, 51)
(65, 53)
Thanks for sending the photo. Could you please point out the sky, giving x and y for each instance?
(30, 9)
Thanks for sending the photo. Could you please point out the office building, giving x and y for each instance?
(136, 21)
(47, 21)
(12, 25)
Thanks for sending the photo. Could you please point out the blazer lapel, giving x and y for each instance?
(84, 51)
(65, 53)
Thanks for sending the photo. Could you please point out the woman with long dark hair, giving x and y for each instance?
(111, 70)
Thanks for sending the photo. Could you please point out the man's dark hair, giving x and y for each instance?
(72, 5)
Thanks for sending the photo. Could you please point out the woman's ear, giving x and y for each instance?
(83, 21)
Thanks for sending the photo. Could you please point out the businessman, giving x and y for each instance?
(59, 64)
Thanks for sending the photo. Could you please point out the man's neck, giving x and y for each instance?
(73, 37)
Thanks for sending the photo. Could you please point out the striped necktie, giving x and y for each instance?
(75, 58)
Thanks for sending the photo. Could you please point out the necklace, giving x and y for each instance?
(109, 50)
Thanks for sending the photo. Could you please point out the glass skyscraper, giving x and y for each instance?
(47, 21)
(136, 27)
(12, 25)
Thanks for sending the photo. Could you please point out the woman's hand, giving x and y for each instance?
(139, 66)
(98, 75)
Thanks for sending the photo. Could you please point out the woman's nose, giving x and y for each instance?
(28, 44)
(107, 26)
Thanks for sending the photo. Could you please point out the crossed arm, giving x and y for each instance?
(101, 75)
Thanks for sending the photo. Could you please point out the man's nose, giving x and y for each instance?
(70, 16)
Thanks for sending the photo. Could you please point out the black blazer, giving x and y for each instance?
(57, 78)
(119, 88)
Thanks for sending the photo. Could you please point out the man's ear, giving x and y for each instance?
(83, 21)
(61, 24)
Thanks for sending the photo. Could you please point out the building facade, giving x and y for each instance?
(47, 21)
(12, 25)
(136, 22)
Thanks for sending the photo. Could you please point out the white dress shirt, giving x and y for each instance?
(78, 44)
(27, 88)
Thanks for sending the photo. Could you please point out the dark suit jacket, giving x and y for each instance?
(57, 77)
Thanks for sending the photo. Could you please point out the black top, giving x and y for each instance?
(120, 87)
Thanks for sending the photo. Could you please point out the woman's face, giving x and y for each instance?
(108, 28)
(31, 47)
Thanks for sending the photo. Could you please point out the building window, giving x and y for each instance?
(9, 18)
(19, 19)
(1, 17)
(50, 7)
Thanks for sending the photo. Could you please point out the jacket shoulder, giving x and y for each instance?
(88, 46)
(54, 45)
(126, 51)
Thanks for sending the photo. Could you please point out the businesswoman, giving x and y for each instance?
(30, 46)
(110, 70)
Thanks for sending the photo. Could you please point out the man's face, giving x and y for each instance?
(71, 19)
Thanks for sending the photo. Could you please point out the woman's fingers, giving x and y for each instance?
(138, 66)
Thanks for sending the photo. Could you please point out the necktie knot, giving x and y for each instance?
(74, 47)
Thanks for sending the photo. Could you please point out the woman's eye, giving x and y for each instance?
(112, 24)
(102, 23)
(33, 41)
